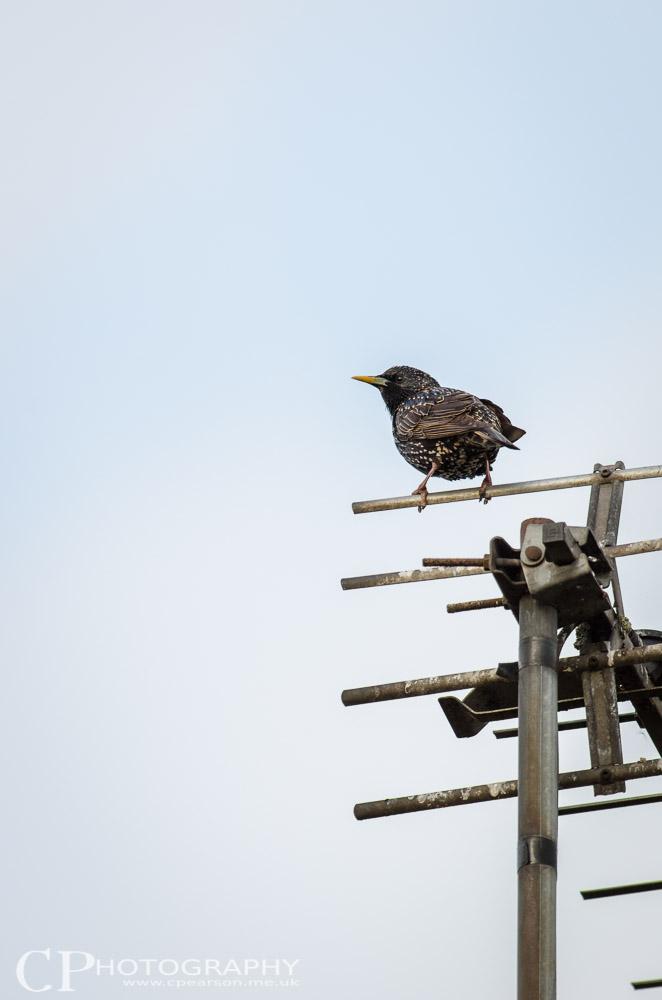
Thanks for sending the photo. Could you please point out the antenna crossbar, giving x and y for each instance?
(444, 683)
(504, 790)
(510, 489)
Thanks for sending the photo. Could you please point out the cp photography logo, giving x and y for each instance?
(66, 971)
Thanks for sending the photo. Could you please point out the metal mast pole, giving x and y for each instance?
(537, 801)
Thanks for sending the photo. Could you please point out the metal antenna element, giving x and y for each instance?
(499, 676)
(451, 568)
(490, 602)
(496, 790)
(557, 579)
(505, 489)
(635, 800)
(504, 734)
(620, 890)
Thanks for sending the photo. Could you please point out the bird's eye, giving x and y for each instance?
(398, 378)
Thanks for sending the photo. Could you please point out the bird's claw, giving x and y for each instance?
(487, 481)
(481, 493)
(423, 493)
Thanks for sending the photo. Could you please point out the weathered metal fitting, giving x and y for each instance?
(561, 546)
(564, 577)
(538, 650)
(606, 472)
(508, 670)
(506, 569)
(537, 850)
(528, 522)
(533, 554)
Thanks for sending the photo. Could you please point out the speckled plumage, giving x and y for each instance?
(442, 432)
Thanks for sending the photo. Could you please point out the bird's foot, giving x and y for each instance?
(422, 490)
(487, 481)
(423, 493)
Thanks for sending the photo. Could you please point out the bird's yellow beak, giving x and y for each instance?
(371, 379)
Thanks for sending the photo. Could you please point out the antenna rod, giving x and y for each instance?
(425, 801)
(451, 568)
(511, 489)
(443, 683)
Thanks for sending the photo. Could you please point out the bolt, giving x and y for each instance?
(593, 661)
(606, 473)
(605, 775)
(533, 553)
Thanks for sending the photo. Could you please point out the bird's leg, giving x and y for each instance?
(487, 481)
(423, 488)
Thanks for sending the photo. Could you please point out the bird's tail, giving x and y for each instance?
(507, 428)
(492, 437)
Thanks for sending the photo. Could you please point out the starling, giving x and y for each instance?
(440, 431)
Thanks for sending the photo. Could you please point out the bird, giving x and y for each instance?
(440, 431)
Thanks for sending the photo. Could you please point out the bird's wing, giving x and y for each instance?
(432, 415)
(507, 429)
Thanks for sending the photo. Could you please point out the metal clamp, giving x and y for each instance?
(536, 851)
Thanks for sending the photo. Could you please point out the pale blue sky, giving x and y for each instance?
(213, 215)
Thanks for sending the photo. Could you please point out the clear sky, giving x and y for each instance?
(215, 213)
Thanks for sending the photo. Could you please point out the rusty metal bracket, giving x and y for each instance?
(600, 697)
(574, 584)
